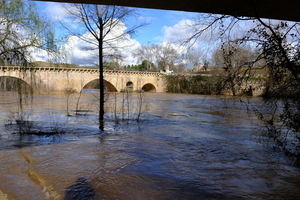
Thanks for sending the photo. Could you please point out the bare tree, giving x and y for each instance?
(163, 56)
(101, 22)
(235, 60)
(269, 37)
(147, 53)
(194, 57)
(277, 45)
(21, 29)
(167, 57)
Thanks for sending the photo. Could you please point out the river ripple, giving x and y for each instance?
(185, 147)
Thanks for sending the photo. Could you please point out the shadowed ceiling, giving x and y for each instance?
(284, 10)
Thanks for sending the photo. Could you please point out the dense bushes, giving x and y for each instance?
(194, 84)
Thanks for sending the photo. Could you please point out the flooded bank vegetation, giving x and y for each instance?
(236, 74)
(99, 21)
(194, 84)
(22, 30)
(126, 106)
(275, 47)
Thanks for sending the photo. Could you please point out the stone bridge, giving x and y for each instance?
(48, 79)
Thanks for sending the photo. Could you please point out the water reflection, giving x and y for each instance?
(185, 147)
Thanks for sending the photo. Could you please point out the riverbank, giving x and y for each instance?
(214, 85)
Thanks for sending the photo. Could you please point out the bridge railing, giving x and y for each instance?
(77, 69)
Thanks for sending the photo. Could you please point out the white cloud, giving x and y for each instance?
(77, 51)
(178, 32)
(146, 19)
(59, 11)
(39, 54)
(178, 35)
(55, 11)
(185, 29)
(59, 14)
(82, 52)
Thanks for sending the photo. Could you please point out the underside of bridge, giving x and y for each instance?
(149, 88)
(95, 85)
(8, 83)
(283, 10)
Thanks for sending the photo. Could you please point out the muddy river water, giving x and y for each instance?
(184, 147)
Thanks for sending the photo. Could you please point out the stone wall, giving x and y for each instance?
(58, 79)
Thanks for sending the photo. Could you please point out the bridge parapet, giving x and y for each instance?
(75, 69)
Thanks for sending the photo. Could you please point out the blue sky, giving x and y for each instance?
(155, 21)
(163, 26)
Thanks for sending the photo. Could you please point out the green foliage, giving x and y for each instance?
(140, 67)
(194, 84)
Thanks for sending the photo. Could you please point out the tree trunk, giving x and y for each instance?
(101, 78)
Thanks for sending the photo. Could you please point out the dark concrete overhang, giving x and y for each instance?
(283, 10)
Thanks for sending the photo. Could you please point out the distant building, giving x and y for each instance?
(198, 68)
(167, 71)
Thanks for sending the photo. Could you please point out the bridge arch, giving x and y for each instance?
(11, 83)
(94, 84)
(149, 87)
(129, 85)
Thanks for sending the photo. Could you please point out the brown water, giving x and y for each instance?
(185, 147)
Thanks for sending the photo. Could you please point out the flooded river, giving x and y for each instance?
(184, 147)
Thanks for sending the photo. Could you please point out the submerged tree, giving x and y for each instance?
(103, 23)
